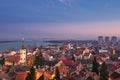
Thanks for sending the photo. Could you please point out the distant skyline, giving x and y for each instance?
(59, 19)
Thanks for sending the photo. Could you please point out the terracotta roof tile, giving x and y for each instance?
(16, 58)
(21, 76)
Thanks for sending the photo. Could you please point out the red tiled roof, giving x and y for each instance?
(47, 75)
(64, 58)
(21, 76)
(103, 58)
(69, 62)
(78, 52)
(30, 57)
(91, 57)
(15, 59)
(63, 69)
(116, 63)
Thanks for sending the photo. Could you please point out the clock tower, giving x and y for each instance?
(23, 54)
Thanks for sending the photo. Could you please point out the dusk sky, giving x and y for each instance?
(59, 19)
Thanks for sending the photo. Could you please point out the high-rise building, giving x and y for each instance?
(114, 40)
(100, 39)
(107, 39)
(23, 54)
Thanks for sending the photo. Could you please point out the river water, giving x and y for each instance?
(17, 44)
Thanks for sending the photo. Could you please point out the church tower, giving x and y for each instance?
(23, 54)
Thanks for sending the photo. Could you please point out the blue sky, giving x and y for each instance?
(59, 19)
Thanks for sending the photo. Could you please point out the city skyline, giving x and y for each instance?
(59, 19)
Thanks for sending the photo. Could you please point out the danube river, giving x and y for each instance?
(17, 44)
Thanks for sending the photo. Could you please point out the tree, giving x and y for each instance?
(95, 66)
(28, 76)
(57, 74)
(32, 74)
(39, 60)
(104, 74)
(2, 61)
(73, 58)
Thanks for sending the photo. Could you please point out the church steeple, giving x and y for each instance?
(22, 53)
(22, 43)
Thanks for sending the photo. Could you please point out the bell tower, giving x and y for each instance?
(23, 54)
